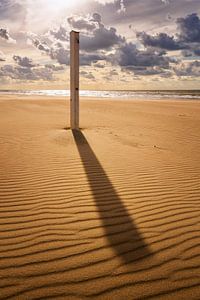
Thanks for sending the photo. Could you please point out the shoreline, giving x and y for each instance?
(85, 98)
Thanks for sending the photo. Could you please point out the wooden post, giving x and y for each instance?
(74, 79)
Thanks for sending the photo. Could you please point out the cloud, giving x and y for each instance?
(113, 72)
(128, 56)
(94, 42)
(122, 8)
(197, 51)
(166, 2)
(81, 23)
(26, 73)
(86, 59)
(97, 17)
(25, 69)
(56, 50)
(60, 34)
(142, 62)
(96, 36)
(161, 40)
(188, 69)
(2, 56)
(54, 67)
(59, 53)
(87, 75)
(150, 71)
(12, 9)
(23, 61)
(186, 39)
(106, 1)
(99, 43)
(42, 46)
(102, 39)
(193, 50)
(4, 34)
(99, 65)
(189, 28)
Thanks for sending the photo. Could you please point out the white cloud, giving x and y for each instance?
(166, 2)
(122, 7)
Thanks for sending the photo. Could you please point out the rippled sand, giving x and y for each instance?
(110, 212)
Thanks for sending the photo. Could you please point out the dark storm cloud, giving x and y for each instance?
(161, 40)
(186, 39)
(102, 38)
(189, 28)
(23, 61)
(97, 36)
(128, 56)
(142, 62)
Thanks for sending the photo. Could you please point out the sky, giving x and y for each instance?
(124, 44)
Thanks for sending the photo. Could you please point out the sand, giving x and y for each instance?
(111, 212)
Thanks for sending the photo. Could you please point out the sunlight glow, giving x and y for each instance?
(65, 3)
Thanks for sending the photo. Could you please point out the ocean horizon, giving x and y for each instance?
(117, 94)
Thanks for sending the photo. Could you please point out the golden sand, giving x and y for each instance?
(110, 212)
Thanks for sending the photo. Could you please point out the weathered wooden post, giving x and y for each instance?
(74, 80)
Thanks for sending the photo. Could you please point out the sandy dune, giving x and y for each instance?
(111, 212)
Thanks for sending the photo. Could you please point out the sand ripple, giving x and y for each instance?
(90, 215)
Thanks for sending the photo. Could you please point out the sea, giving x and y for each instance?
(135, 95)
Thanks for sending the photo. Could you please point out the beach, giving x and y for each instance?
(108, 212)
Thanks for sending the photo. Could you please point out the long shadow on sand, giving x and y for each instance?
(121, 233)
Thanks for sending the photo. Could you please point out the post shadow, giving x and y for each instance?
(120, 230)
